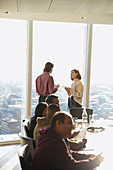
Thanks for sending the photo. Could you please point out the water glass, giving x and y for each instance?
(91, 119)
(75, 121)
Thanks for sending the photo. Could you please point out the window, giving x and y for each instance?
(13, 44)
(63, 45)
(101, 94)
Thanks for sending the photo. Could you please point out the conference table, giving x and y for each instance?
(101, 140)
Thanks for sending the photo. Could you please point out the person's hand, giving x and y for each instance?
(69, 88)
(84, 140)
(92, 156)
(75, 133)
(58, 85)
(66, 88)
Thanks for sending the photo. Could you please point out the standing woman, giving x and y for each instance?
(75, 93)
(45, 83)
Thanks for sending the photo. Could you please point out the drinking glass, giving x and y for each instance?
(91, 119)
(75, 121)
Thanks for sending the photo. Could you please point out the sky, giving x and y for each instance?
(12, 49)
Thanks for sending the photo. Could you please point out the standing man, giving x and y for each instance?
(45, 83)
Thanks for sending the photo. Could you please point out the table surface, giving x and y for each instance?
(101, 141)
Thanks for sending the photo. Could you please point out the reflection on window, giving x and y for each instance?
(13, 40)
(63, 45)
(101, 94)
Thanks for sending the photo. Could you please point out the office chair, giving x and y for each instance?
(26, 140)
(89, 112)
(77, 112)
(25, 124)
(25, 157)
(26, 130)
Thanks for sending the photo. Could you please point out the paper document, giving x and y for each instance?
(81, 134)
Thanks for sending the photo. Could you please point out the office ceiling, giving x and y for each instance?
(82, 11)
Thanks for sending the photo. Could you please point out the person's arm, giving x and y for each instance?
(75, 145)
(51, 86)
(59, 158)
(37, 82)
(67, 90)
(80, 156)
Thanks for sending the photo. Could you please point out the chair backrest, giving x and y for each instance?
(89, 112)
(25, 124)
(25, 157)
(26, 130)
(26, 140)
(77, 112)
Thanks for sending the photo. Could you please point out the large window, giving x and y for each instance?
(63, 45)
(101, 95)
(13, 44)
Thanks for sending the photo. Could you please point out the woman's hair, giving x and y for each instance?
(48, 67)
(78, 74)
(39, 109)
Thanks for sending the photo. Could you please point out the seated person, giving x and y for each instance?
(45, 121)
(52, 99)
(40, 111)
(74, 145)
(52, 151)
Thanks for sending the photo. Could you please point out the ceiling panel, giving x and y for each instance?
(8, 5)
(33, 5)
(65, 6)
(95, 11)
(108, 8)
(95, 6)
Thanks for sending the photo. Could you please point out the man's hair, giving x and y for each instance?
(60, 115)
(49, 98)
(52, 109)
(48, 67)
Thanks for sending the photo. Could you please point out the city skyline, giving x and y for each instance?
(12, 107)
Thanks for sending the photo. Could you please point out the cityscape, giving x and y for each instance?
(12, 104)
